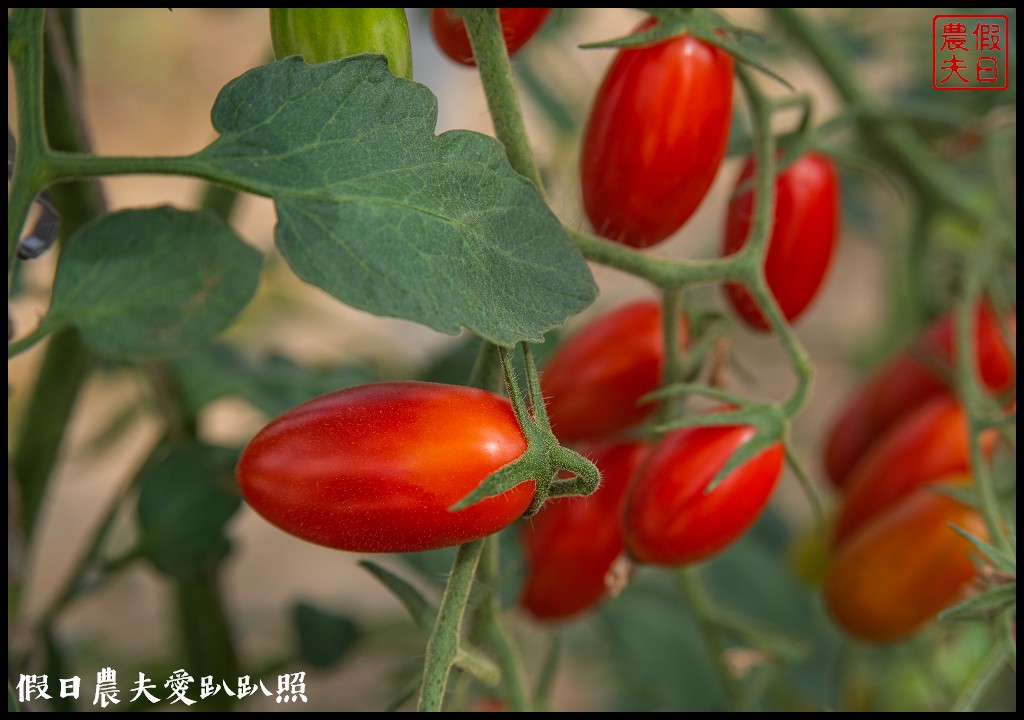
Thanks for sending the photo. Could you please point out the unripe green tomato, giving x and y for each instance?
(322, 34)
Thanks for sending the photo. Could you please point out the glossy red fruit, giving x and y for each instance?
(896, 573)
(930, 442)
(802, 240)
(570, 545)
(910, 379)
(374, 468)
(669, 520)
(593, 382)
(518, 25)
(656, 136)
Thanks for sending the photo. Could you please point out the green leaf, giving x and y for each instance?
(186, 498)
(421, 609)
(324, 637)
(996, 598)
(150, 283)
(383, 214)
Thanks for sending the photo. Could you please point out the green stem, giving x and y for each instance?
(24, 49)
(661, 272)
(972, 396)
(487, 372)
(206, 632)
(17, 347)
(64, 368)
(672, 373)
(64, 166)
(491, 57)
(498, 637)
(443, 646)
(987, 674)
(752, 258)
(697, 596)
(896, 142)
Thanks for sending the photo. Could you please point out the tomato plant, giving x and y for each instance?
(321, 34)
(570, 545)
(594, 381)
(908, 380)
(375, 468)
(802, 240)
(518, 25)
(669, 518)
(655, 138)
(895, 573)
(930, 442)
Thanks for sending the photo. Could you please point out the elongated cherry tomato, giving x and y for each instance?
(570, 545)
(374, 468)
(322, 34)
(896, 573)
(911, 378)
(669, 520)
(930, 442)
(518, 25)
(656, 136)
(802, 239)
(594, 381)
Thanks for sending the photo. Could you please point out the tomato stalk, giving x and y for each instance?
(488, 43)
(673, 370)
(25, 50)
(443, 646)
(970, 390)
(495, 633)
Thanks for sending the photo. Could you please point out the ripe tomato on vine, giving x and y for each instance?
(655, 138)
(802, 240)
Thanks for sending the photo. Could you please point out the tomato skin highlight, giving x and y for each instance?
(593, 382)
(655, 138)
(518, 25)
(927, 444)
(570, 545)
(908, 380)
(374, 468)
(668, 520)
(896, 573)
(802, 240)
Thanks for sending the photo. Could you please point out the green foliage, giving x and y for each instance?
(186, 498)
(325, 638)
(383, 214)
(144, 284)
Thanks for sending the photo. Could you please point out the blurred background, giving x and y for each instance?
(149, 79)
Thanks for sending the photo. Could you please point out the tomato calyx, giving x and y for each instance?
(544, 457)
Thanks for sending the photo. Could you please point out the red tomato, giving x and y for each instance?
(669, 520)
(570, 545)
(375, 468)
(518, 25)
(802, 239)
(897, 572)
(928, 443)
(594, 381)
(655, 139)
(909, 380)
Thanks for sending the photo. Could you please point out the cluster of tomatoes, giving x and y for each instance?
(377, 468)
(896, 561)
(651, 506)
